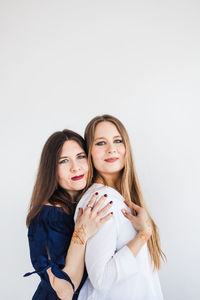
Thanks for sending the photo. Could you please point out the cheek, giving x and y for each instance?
(96, 156)
(122, 150)
(62, 171)
(85, 166)
(97, 152)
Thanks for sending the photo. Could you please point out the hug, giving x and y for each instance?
(90, 234)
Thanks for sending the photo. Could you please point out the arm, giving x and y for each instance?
(104, 264)
(41, 261)
(107, 266)
(74, 266)
(87, 224)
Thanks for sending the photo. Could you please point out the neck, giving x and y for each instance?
(112, 180)
(73, 194)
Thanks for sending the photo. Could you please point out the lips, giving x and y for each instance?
(75, 178)
(111, 160)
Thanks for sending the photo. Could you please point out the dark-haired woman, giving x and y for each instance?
(57, 246)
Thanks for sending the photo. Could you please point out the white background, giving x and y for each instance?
(64, 62)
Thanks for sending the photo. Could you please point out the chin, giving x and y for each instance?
(113, 171)
(80, 186)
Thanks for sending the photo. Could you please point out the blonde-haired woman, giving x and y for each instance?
(123, 257)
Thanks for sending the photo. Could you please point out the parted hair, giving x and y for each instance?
(46, 188)
(129, 184)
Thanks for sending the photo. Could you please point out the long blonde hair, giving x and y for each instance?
(129, 185)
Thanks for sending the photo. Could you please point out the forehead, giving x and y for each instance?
(105, 129)
(71, 148)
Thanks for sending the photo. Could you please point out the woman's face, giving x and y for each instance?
(72, 167)
(108, 150)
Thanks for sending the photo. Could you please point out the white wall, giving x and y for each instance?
(62, 63)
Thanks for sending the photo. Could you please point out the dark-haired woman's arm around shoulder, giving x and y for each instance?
(87, 224)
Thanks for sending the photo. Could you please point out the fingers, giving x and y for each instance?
(105, 209)
(132, 205)
(91, 202)
(99, 203)
(128, 215)
(80, 212)
(106, 218)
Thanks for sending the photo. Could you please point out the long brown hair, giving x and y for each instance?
(129, 185)
(46, 187)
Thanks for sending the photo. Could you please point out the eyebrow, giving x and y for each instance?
(76, 155)
(101, 138)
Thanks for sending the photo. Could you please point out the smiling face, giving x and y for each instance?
(108, 150)
(72, 167)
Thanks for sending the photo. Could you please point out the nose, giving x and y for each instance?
(111, 148)
(75, 166)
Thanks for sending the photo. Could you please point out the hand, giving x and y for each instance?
(91, 218)
(140, 221)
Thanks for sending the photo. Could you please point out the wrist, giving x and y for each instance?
(80, 235)
(144, 235)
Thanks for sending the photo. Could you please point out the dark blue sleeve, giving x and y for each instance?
(45, 236)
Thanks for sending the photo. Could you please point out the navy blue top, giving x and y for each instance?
(52, 228)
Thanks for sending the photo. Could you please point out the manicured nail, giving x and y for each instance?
(105, 195)
(96, 193)
(111, 202)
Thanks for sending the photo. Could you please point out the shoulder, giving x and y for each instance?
(49, 204)
(112, 195)
(50, 214)
(51, 219)
(101, 189)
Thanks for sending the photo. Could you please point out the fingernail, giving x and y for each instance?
(96, 193)
(111, 213)
(111, 202)
(105, 195)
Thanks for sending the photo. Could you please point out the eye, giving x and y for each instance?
(117, 141)
(81, 156)
(63, 161)
(100, 143)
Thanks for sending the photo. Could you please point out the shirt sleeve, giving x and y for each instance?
(42, 237)
(105, 265)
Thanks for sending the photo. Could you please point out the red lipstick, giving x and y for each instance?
(75, 178)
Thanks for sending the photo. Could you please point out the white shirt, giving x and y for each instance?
(114, 273)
